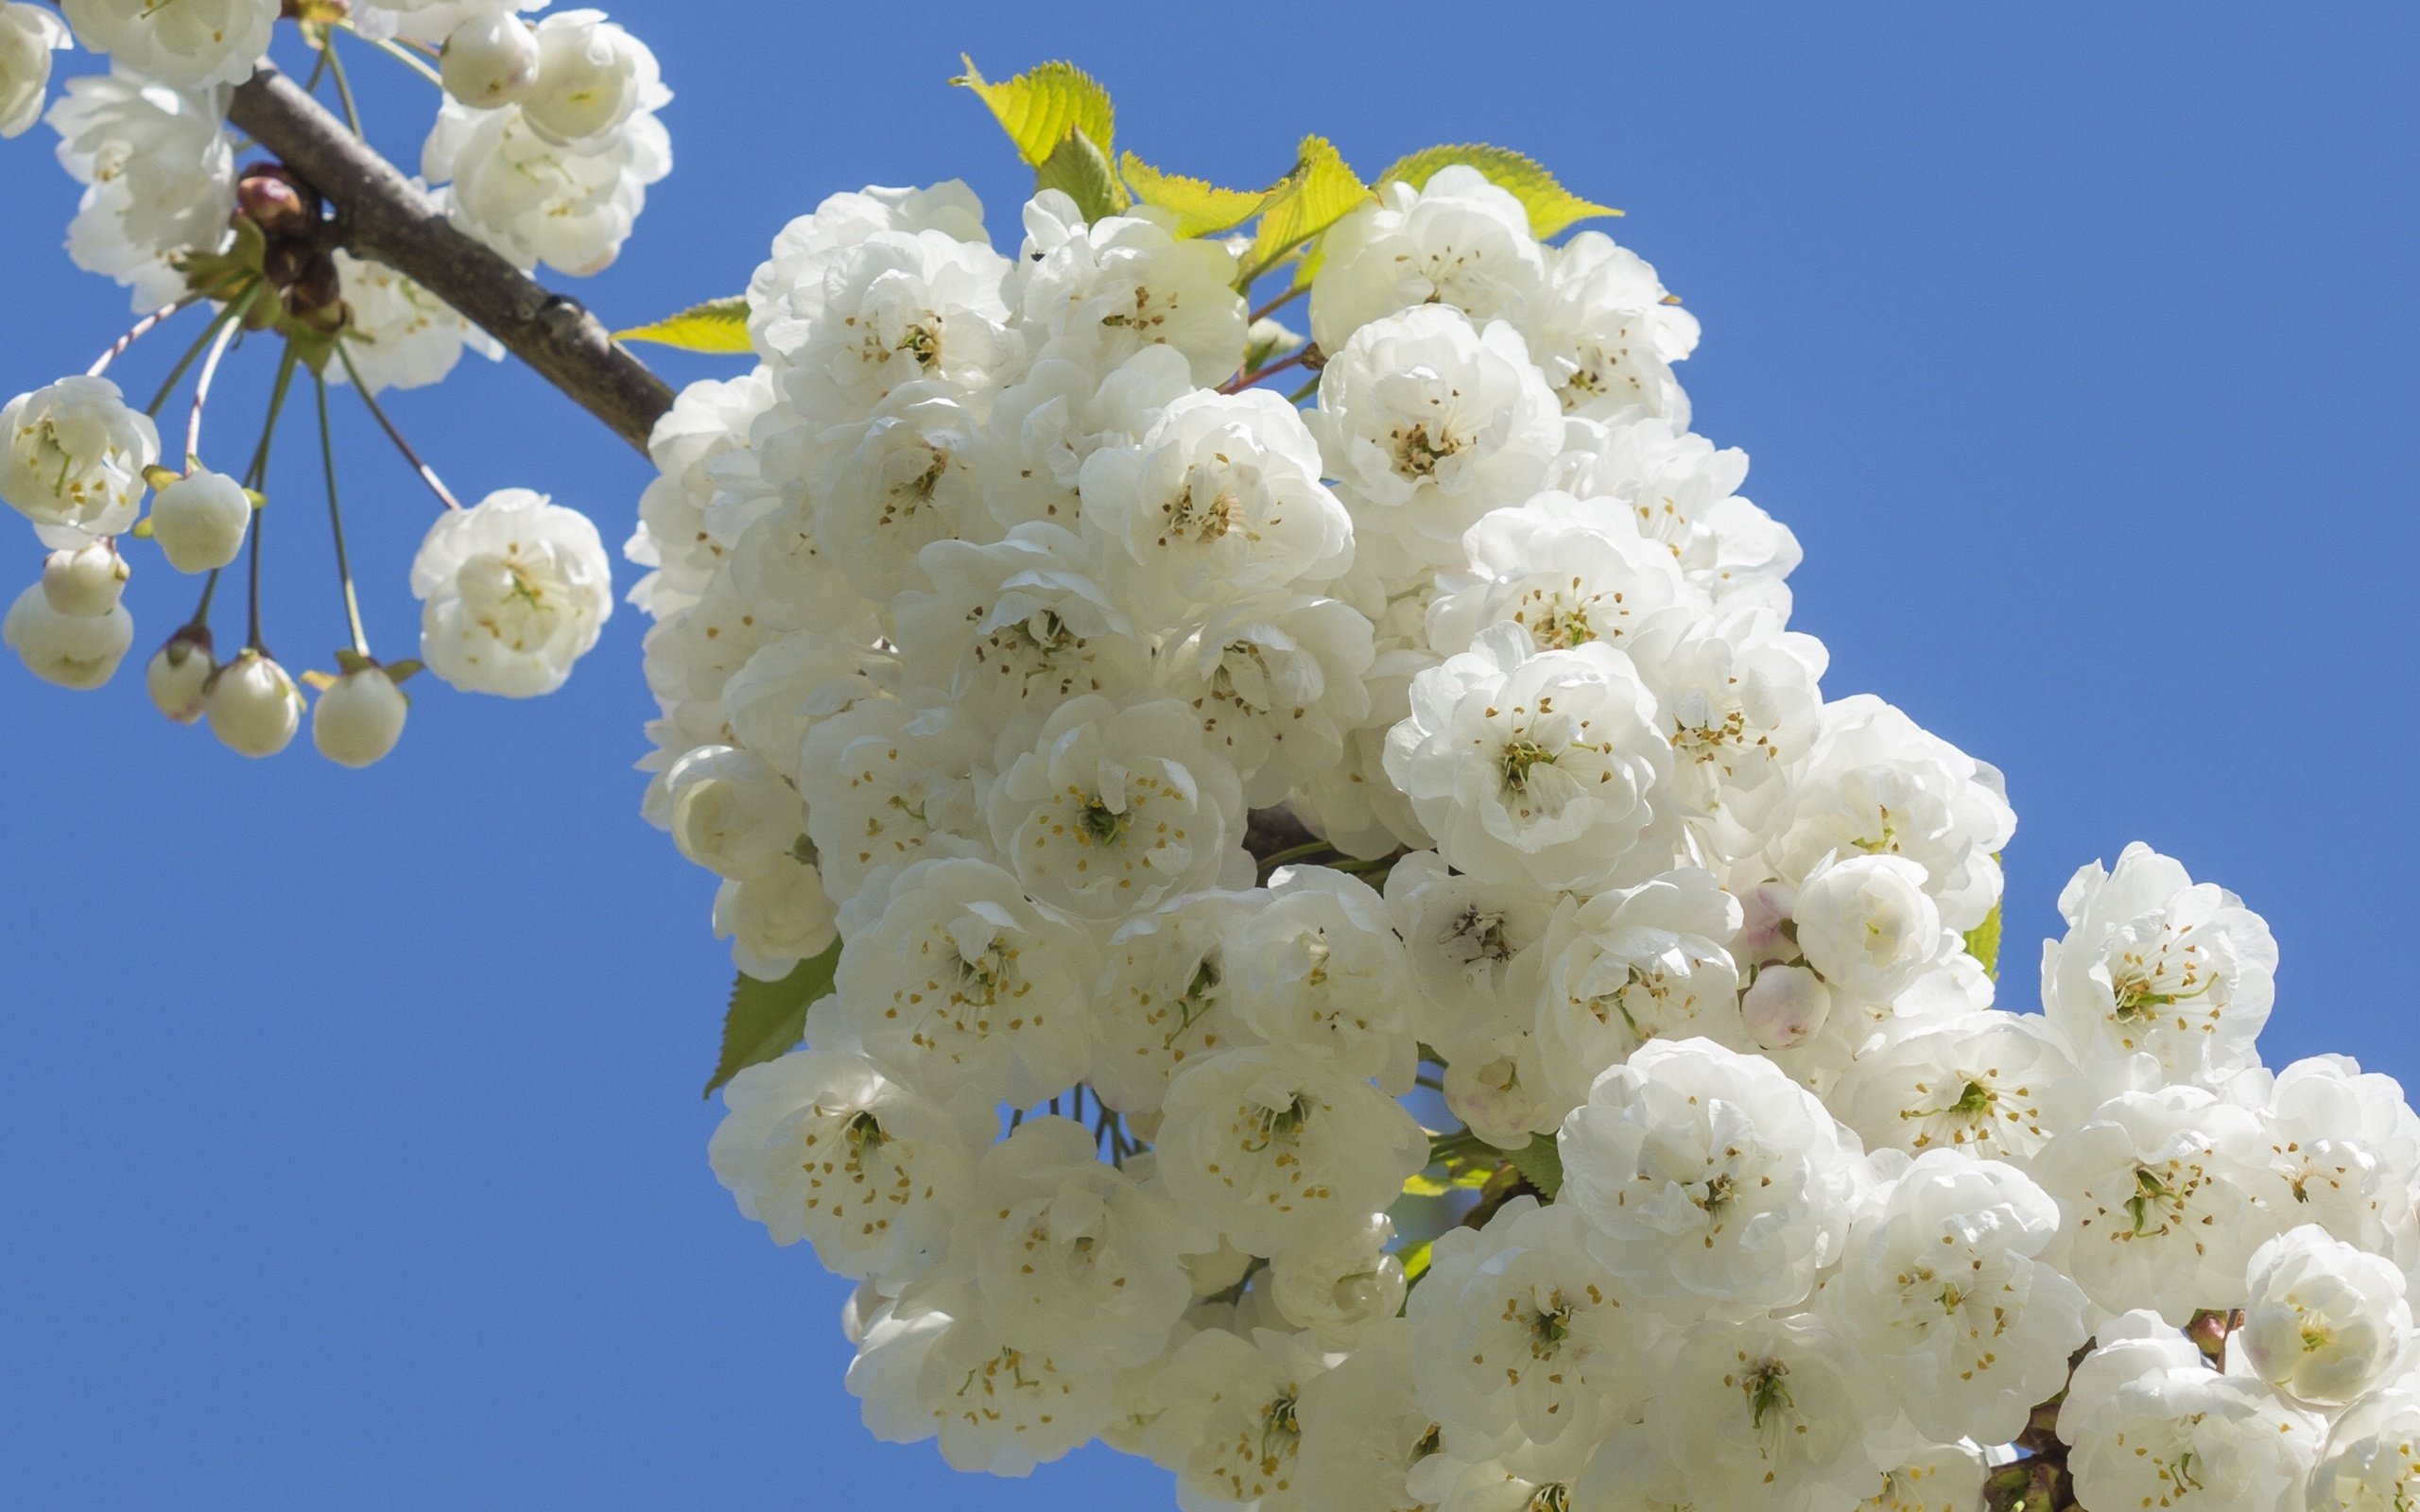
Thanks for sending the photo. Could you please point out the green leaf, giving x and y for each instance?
(1415, 1258)
(1540, 1162)
(1200, 207)
(1043, 106)
(1320, 192)
(1983, 943)
(766, 1019)
(719, 327)
(1080, 168)
(1552, 208)
(1421, 1184)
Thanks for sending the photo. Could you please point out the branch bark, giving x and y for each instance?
(381, 214)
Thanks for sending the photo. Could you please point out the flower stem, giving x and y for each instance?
(405, 57)
(228, 332)
(255, 478)
(335, 517)
(427, 473)
(344, 85)
(242, 298)
(117, 348)
(1245, 380)
(1278, 304)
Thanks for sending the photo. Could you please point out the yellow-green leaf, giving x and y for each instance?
(1540, 1162)
(1983, 943)
(1421, 1184)
(719, 327)
(1320, 192)
(1552, 208)
(766, 1019)
(1200, 207)
(1415, 1258)
(1041, 106)
(1080, 168)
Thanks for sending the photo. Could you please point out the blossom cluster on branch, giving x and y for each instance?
(545, 143)
(1339, 941)
(1606, 1106)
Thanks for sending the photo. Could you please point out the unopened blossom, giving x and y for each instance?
(358, 719)
(85, 581)
(253, 705)
(79, 651)
(200, 520)
(177, 676)
(490, 60)
(2323, 1321)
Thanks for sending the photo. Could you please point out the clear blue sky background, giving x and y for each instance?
(351, 1152)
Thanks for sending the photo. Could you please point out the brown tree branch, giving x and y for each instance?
(380, 215)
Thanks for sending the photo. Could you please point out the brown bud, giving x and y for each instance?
(277, 201)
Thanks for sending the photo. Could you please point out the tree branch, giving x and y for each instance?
(381, 214)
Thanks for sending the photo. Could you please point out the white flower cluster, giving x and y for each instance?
(987, 613)
(549, 137)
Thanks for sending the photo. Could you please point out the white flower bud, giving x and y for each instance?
(1868, 925)
(1787, 1005)
(358, 720)
(84, 582)
(72, 650)
(200, 521)
(591, 76)
(179, 676)
(253, 705)
(490, 60)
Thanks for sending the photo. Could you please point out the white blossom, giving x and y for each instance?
(2323, 1322)
(1279, 1149)
(1104, 291)
(1941, 1292)
(1536, 765)
(1708, 1180)
(358, 719)
(253, 705)
(28, 35)
(2149, 1424)
(2156, 965)
(186, 43)
(159, 176)
(1456, 240)
(821, 1146)
(1316, 969)
(76, 454)
(200, 520)
(512, 592)
(1167, 997)
(397, 334)
(79, 651)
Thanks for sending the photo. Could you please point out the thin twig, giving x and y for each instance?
(401, 56)
(1245, 380)
(176, 375)
(344, 85)
(257, 478)
(335, 517)
(117, 348)
(227, 330)
(1278, 304)
(427, 473)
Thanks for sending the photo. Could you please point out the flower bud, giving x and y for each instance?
(200, 521)
(1868, 925)
(253, 705)
(179, 676)
(489, 62)
(72, 650)
(359, 719)
(86, 581)
(274, 200)
(592, 74)
(1785, 1005)
(1765, 927)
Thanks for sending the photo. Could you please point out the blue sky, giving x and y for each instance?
(353, 1155)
